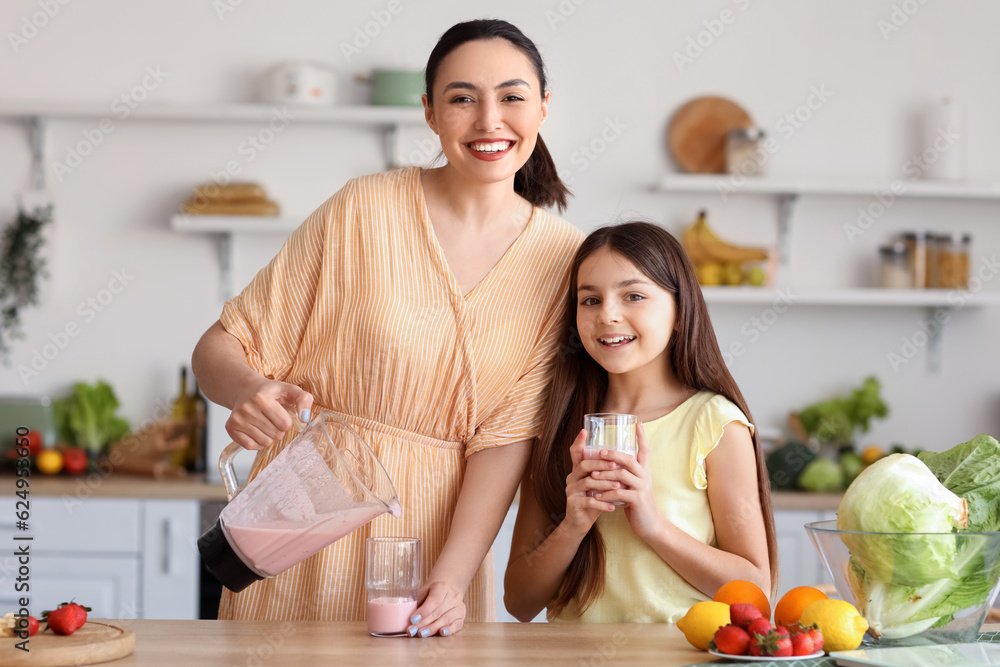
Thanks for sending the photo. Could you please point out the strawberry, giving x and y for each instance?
(731, 639)
(66, 619)
(32, 626)
(741, 614)
(775, 643)
(802, 644)
(816, 635)
(760, 626)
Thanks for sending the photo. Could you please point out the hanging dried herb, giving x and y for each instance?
(21, 269)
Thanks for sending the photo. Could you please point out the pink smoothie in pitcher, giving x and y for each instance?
(272, 548)
(390, 616)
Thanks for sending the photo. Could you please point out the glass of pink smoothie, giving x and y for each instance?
(393, 576)
(612, 431)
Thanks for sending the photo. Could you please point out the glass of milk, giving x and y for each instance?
(611, 431)
(393, 576)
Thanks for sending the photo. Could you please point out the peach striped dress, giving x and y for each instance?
(360, 309)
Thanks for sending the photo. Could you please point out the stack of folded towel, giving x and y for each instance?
(229, 199)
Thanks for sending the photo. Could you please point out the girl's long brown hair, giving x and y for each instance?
(579, 386)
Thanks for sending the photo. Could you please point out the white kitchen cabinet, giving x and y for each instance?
(798, 562)
(125, 558)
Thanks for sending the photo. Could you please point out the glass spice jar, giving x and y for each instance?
(895, 270)
(745, 152)
(951, 268)
(916, 246)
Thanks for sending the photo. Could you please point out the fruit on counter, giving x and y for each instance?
(760, 626)
(777, 643)
(703, 245)
(732, 273)
(742, 614)
(49, 461)
(822, 476)
(871, 455)
(35, 442)
(756, 276)
(731, 640)
(74, 460)
(701, 621)
(785, 464)
(739, 590)
(791, 605)
(67, 618)
(839, 621)
(708, 274)
(802, 644)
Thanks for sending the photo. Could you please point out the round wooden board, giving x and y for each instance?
(697, 133)
(93, 643)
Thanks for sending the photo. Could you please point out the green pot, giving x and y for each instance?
(397, 87)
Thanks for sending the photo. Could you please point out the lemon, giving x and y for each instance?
(702, 620)
(49, 461)
(709, 273)
(839, 621)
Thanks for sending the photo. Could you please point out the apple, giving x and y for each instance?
(74, 460)
(35, 442)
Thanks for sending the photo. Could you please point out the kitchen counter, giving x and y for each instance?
(309, 643)
(161, 643)
(120, 485)
(194, 487)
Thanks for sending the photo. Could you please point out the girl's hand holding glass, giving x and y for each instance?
(635, 490)
(582, 509)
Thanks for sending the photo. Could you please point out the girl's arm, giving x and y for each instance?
(539, 554)
(491, 477)
(732, 495)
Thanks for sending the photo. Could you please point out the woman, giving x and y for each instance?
(424, 308)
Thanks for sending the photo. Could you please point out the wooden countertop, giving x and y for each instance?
(161, 643)
(121, 485)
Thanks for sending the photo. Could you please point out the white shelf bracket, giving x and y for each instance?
(390, 145)
(936, 316)
(786, 206)
(37, 139)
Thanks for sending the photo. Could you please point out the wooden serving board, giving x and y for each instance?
(93, 643)
(697, 133)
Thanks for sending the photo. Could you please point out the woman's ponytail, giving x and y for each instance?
(538, 180)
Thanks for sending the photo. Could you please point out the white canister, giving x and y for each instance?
(298, 82)
(944, 140)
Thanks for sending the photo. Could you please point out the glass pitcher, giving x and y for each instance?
(325, 484)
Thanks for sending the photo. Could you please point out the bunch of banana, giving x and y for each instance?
(717, 262)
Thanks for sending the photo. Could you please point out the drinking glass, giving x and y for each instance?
(611, 431)
(392, 577)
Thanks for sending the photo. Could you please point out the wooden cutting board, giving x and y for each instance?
(697, 133)
(93, 643)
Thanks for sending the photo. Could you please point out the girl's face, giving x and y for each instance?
(487, 109)
(625, 320)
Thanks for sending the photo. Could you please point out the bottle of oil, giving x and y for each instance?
(199, 410)
(181, 410)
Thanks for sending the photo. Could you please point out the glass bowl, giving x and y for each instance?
(913, 588)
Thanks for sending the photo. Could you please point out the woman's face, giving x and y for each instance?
(487, 109)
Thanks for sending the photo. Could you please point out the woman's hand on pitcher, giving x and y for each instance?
(261, 414)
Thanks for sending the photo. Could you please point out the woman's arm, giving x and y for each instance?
(259, 414)
(732, 495)
(491, 477)
(540, 555)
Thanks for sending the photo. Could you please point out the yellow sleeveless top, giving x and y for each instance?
(640, 587)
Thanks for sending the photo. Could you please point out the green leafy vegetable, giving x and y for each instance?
(87, 417)
(836, 419)
(905, 583)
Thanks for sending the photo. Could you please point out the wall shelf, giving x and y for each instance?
(866, 296)
(788, 191)
(388, 119)
(224, 226)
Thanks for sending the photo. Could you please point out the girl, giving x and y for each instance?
(638, 340)
(423, 307)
